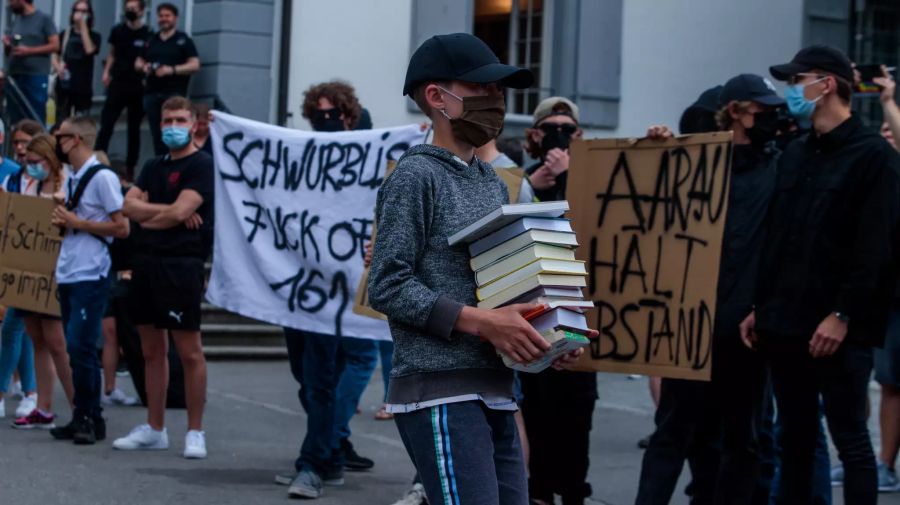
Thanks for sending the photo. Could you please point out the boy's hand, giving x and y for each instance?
(511, 334)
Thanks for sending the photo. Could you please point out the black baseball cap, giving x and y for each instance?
(461, 57)
(749, 88)
(709, 99)
(826, 58)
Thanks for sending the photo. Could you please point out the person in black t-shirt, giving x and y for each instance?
(124, 84)
(74, 63)
(169, 59)
(172, 203)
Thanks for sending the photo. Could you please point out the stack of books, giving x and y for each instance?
(525, 253)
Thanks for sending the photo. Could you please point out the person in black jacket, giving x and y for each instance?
(826, 274)
(695, 418)
(74, 63)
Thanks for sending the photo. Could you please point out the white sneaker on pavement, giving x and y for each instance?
(195, 445)
(415, 496)
(143, 438)
(118, 397)
(27, 405)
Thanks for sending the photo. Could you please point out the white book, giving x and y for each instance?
(560, 318)
(527, 239)
(504, 215)
(516, 261)
(529, 279)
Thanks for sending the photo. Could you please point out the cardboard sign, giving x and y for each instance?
(650, 217)
(29, 248)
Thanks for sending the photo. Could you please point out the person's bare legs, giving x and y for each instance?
(110, 354)
(890, 424)
(55, 340)
(44, 371)
(190, 350)
(155, 346)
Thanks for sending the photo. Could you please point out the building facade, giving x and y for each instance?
(627, 63)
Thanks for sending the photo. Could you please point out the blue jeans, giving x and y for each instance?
(83, 305)
(34, 89)
(314, 364)
(16, 351)
(357, 360)
(466, 453)
(386, 349)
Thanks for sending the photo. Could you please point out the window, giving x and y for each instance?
(514, 29)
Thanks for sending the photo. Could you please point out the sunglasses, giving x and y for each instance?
(798, 78)
(564, 128)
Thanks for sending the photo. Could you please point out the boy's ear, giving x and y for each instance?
(434, 97)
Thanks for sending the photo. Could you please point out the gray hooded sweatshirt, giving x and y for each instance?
(422, 284)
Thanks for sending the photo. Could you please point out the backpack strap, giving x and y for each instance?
(75, 194)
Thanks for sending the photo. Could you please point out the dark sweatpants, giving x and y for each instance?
(466, 453)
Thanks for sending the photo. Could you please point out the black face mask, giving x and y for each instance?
(765, 126)
(327, 121)
(131, 16)
(63, 157)
(556, 136)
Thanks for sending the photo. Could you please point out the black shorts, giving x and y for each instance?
(167, 292)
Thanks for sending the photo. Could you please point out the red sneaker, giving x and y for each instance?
(35, 420)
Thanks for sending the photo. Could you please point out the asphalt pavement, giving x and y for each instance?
(254, 426)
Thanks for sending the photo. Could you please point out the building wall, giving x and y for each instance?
(235, 39)
(671, 53)
(365, 43)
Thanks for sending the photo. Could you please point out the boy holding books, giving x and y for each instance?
(450, 392)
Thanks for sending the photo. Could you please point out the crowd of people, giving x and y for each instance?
(806, 303)
(142, 70)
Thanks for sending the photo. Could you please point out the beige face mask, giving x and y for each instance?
(481, 119)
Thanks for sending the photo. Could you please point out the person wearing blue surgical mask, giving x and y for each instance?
(827, 277)
(172, 201)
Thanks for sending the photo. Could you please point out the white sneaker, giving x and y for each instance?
(15, 390)
(27, 405)
(195, 445)
(415, 496)
(118, 397)
(2, 408)
(143, 438)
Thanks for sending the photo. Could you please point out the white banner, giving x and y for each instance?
(293, 212)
